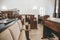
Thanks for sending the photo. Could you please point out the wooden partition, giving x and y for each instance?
(31, 19)
(9, 14)
(33, 22)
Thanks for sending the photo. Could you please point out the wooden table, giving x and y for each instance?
(51, 25)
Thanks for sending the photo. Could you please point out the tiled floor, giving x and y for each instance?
(36, 34)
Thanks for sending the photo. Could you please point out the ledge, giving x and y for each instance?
(3, 26)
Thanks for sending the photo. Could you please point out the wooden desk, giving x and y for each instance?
(54, 24)
(51, 25)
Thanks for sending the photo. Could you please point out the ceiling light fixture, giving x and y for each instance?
(4, 8)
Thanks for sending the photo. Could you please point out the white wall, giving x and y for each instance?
(50, 7)
(26, 6)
